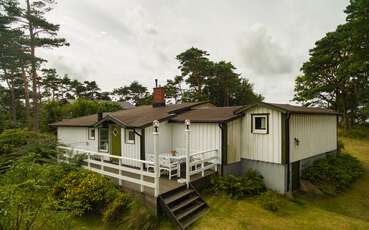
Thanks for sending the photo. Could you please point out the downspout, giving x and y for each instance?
(288, 157)
(142, 143)
(223, 128)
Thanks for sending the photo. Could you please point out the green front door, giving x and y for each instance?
(116, 140)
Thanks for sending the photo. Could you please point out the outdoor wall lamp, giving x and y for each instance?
(156, 125)
(188, 123)
(297, 141)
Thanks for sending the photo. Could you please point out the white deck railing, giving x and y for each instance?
(203, 160)
(94, 158)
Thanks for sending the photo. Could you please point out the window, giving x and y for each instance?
(104, 139)
(91, 133)
(130, 136)
(260, 123)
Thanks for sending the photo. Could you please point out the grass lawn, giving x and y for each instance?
(349, 210)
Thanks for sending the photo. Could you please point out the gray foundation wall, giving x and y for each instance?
(309, 161)
(233, 168)
(274, 174)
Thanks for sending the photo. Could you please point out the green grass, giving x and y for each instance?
(349, 210)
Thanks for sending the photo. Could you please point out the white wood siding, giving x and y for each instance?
(204, 136)
(262, 147)
(130, 150)
(234, 140)
(165, 138)
(77, 137)
(316, 134)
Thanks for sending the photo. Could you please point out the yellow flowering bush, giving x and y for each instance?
(83, 191)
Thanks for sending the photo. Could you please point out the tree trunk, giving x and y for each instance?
(13, 109)
(345, 114)
(26, 96)
(36, 115)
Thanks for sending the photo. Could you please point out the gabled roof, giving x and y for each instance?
(291, 108)
(137, 117)
(208, 115)
(142, 116)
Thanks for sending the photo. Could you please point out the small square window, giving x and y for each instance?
(91, 133)
(130, 136)
(259, 123)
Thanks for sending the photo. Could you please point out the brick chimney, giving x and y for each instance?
(158, 95)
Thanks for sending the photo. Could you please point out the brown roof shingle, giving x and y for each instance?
(214, 114)
(134, 118)
(293, 108)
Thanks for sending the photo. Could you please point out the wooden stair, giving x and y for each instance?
(183, 206)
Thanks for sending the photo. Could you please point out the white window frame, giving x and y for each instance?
(127, 140)
(90, 137)
(253, 123)
(99, 143)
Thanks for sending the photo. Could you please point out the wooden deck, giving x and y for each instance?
(165, 185)
(140, 180)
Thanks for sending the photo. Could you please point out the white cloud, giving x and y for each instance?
(263, 54)
(116, 42)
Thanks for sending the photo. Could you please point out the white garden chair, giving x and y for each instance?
(167, 166)
(170, 167)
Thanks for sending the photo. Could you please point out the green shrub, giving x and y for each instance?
(12, 139)
(358, 132)
(271, 201)
(238, 187)
(18, 143)
(334, 173)
(24, 191)
(340, 146)
(141, 217)
(115, 210)
(129, 211)
(83, 191)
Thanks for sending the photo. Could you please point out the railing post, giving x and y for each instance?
(156, 157)
(216, 160)
(57, 154)
(120, 172)
(88, 161)
(202, 164)
(187, 131)
(141, 178)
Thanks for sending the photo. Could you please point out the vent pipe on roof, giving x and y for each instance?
(99, 116)
(158, 96)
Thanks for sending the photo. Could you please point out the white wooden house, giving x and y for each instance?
(277, 140)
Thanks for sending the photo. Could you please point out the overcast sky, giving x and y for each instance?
(115, 42)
